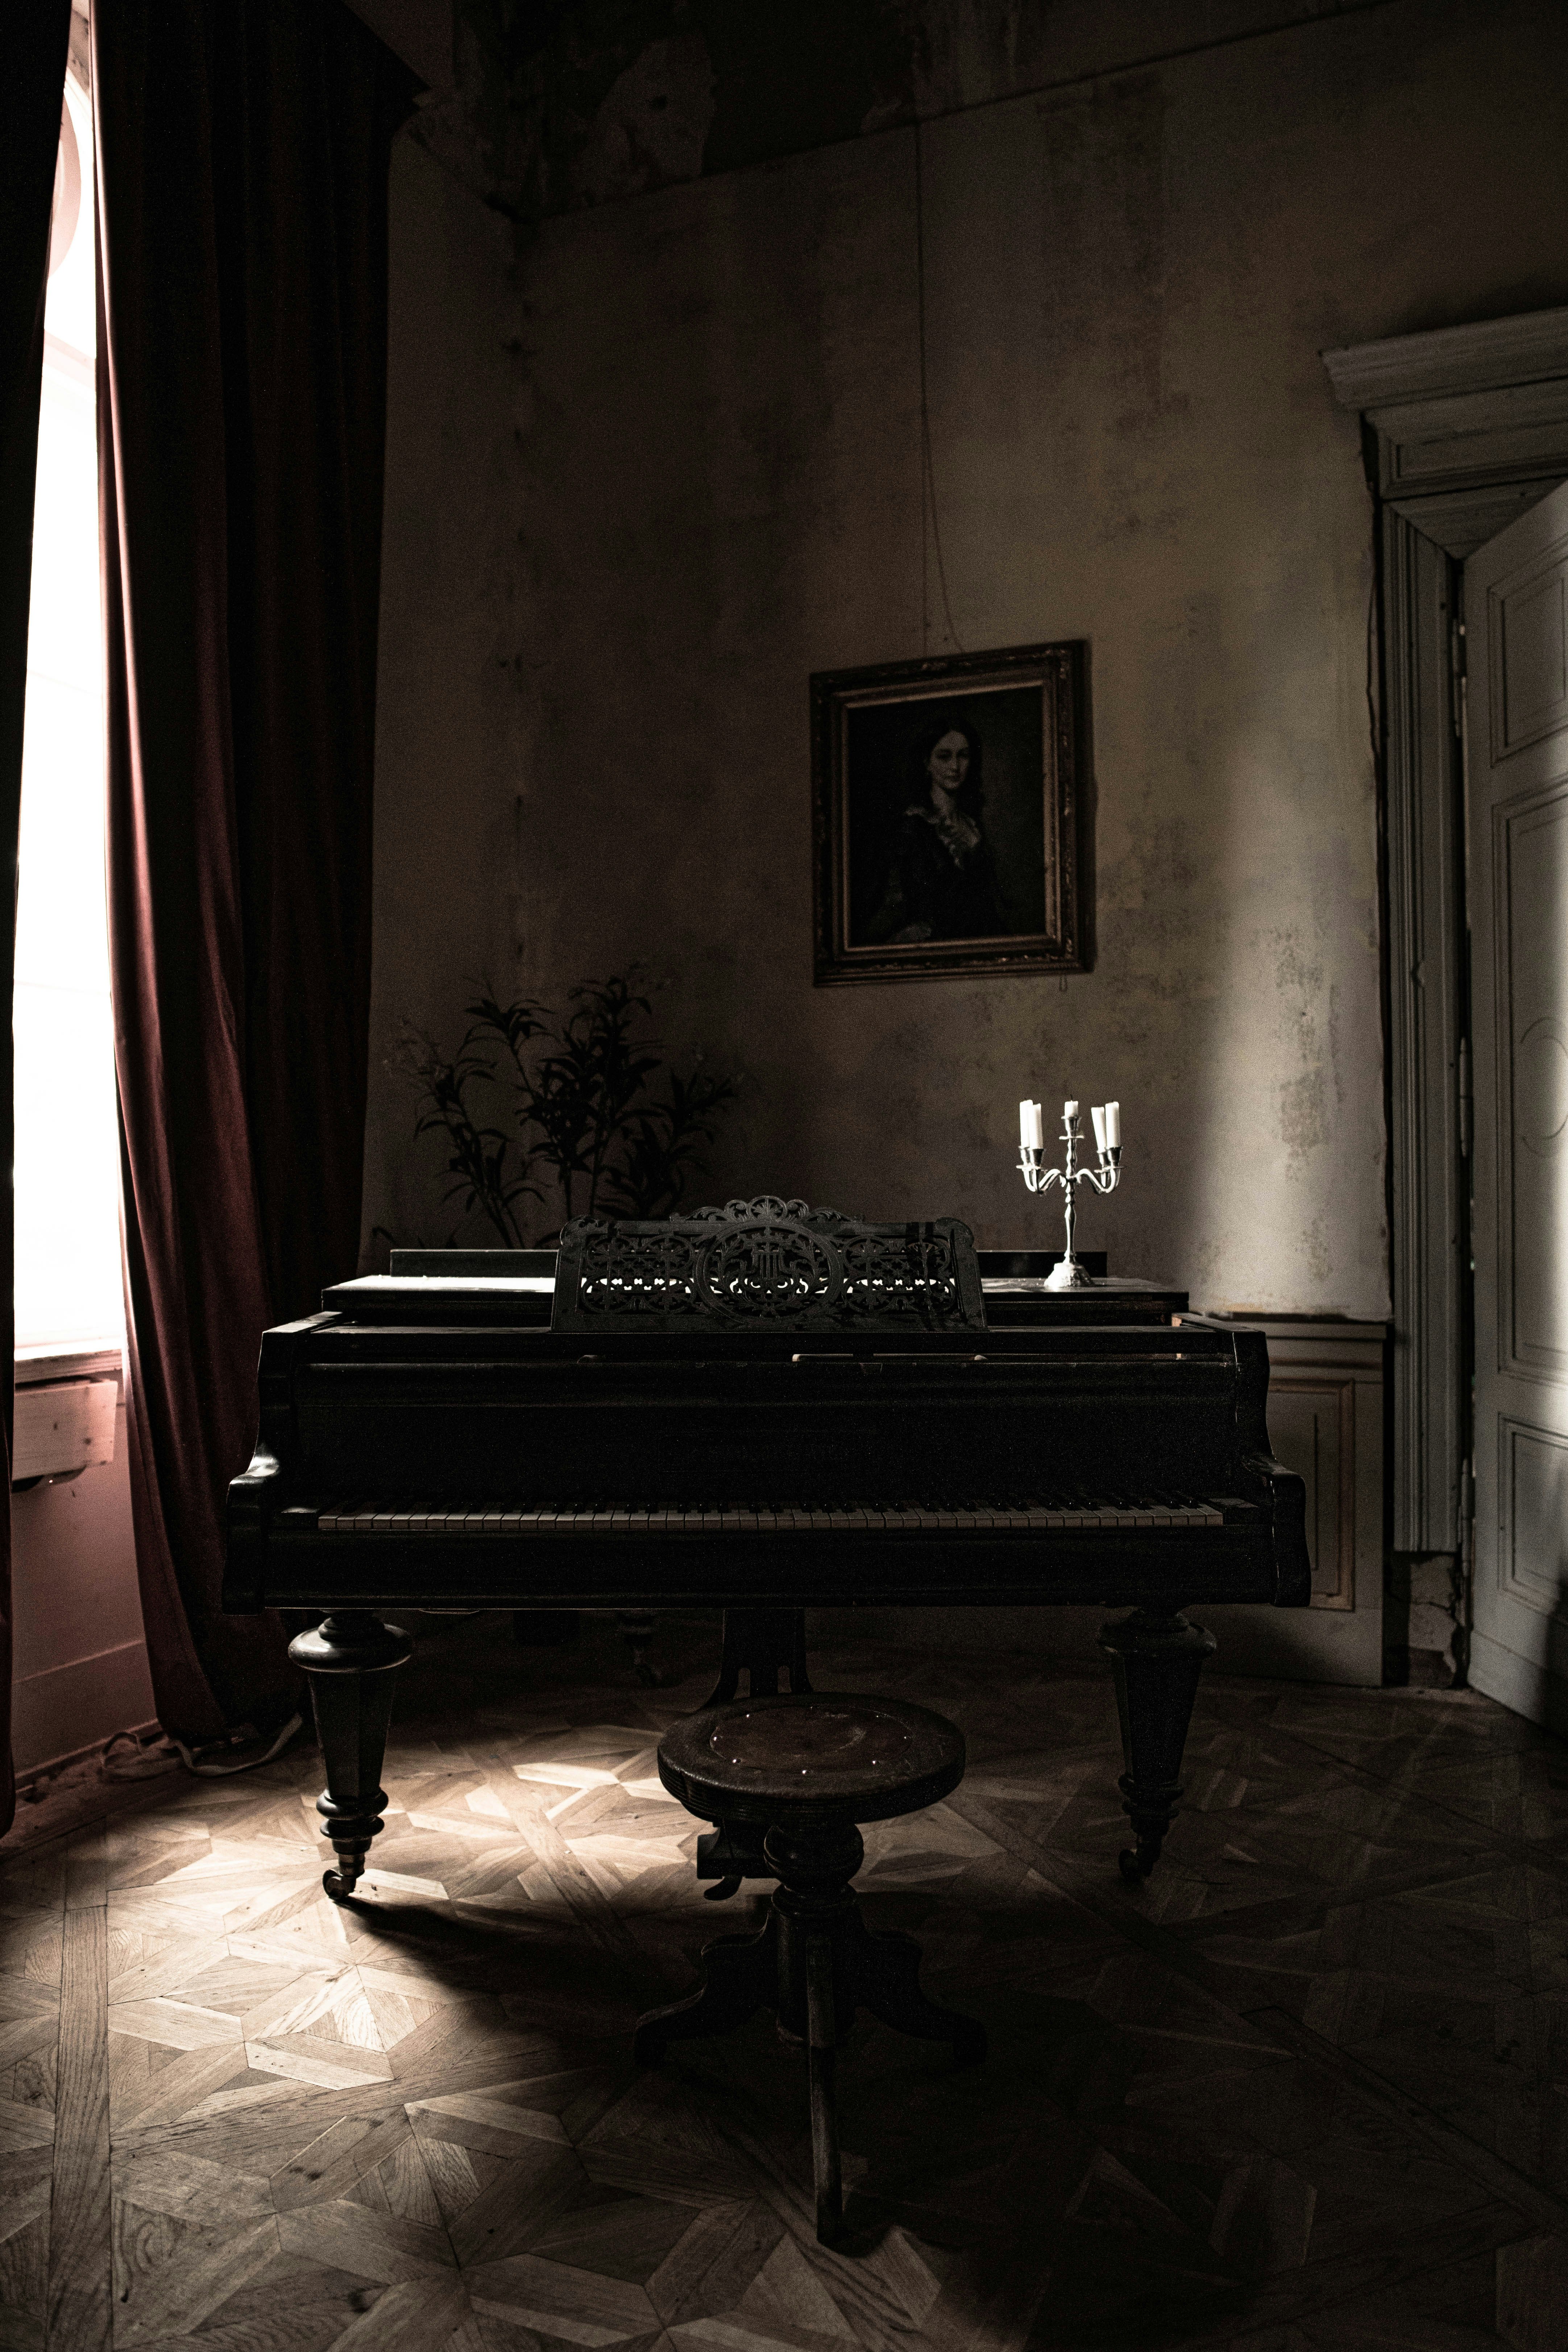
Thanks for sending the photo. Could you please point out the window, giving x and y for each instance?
(66, 1158)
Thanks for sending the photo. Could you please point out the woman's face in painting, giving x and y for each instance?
(948, 765)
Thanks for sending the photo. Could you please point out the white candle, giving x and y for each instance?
(1114, 1126)
(1031, 1128)
(1070, 1110)
(1098, 1117)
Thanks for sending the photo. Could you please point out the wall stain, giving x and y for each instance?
(1303, 1113)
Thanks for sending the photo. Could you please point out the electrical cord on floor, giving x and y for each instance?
(128, 1757)
(241, 1751)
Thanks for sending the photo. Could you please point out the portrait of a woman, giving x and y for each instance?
(942, 881)
(936, 852)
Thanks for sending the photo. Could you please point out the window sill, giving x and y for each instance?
(74, 1359)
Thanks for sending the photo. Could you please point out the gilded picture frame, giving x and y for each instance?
(948, 798)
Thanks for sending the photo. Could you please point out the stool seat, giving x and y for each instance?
(811, 1761)
(808, 1768)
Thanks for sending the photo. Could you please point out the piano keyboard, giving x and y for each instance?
(902, 1519)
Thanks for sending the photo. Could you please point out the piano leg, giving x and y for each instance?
(350, 1659)
(1157, 1661)
(636, 1629)
(763, 1644)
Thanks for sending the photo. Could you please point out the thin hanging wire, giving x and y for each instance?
(931, 527)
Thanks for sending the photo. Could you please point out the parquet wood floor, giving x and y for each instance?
(1307, 2091)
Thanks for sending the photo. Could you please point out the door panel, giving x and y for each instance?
(1530, 868)
(1533, 1492)
(1516, 603)
(1528, 615)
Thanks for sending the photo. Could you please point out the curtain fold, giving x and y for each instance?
(36, 49)
(243, 149)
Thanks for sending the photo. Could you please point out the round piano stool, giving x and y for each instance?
(808, 1768)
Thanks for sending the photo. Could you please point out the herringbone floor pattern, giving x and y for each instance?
(1305, 2092)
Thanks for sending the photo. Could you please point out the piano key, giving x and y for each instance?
(1038, 1514)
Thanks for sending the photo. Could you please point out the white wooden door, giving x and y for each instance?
(1516, 625)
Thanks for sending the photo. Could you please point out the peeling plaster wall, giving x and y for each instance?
(652, 469)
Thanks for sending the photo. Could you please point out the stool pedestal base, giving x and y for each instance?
(814, 1963)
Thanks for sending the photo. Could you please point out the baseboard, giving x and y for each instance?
(68, 1709)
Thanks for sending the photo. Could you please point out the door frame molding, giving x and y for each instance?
(1462, 430)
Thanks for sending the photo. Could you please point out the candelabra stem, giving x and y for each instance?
(1068, 1273)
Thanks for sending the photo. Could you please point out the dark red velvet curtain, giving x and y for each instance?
(35, 56)
(242, 171)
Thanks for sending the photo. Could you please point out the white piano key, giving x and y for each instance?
(1037, 1514)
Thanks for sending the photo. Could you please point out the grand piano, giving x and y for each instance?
(761, 1408)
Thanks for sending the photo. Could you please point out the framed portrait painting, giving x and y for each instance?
(947, 815)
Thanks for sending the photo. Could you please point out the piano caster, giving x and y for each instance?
(1157, 1659)
(350, 1659)
(1137, 1862)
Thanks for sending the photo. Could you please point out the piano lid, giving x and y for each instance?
(516, 1288)
(767, 1265)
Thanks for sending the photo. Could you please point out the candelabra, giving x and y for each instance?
(1069, 1273)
